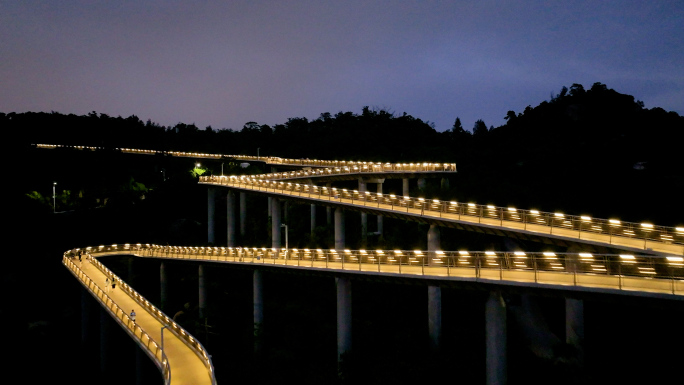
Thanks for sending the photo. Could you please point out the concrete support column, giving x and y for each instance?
(405, 185)
(328, 209)
(444, 183)
(129, 262)
(162, 285)
(243, 214)
(435, 316)
(202, 295)
(344, 316)
(339, 228)
(275, 223)
(495, 336)
(421, 184)
(286, 207)
(433, 243)
(140, 359)
(230, 218)
(313, 219)
(104, 339)
(211, 198)
(270, 207)
(574, 322)
(380, 222)
(86, 308)
(258, 302)
(364, 216)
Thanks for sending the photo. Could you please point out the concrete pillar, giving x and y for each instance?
(202, 297)
(444, 183)
(435, 316)
(364, 216)
(339, 229)
(129, 279)
(405, 185)
(433, 243)
(344, 316)
(270, 207)
(211, 198)
(380, 222)
(104, 339)
(140, 359)
(313, 219)
(421, 184)
(495, 336)
(258, 302)
(230, 218)
(574, 322)
(243, 214)
(286, 207)
(275, 223)
(328, 209)
(86, 308)
(162, 285)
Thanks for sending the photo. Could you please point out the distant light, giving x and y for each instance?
(647, 225)
(614, 221)
(559, 215)
(626, 256)
(585, 218)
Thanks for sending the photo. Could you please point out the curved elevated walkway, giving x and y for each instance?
(642, 237)
(182, 360)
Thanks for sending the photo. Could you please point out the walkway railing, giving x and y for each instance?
(624, 272)
(165, 320)
(154, 350)
(644, 236)
(383, 167)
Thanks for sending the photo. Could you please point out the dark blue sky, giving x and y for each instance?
(224, 63)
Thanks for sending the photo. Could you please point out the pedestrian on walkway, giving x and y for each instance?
(133, 315)
(107, 285)
(113, 284)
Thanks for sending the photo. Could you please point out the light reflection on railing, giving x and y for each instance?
(612, 231)
(625, 272)
(165, 320)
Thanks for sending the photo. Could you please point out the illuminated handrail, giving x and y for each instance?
(623, 272)
(612, 231)
(165, 320)
(375, 166)
(143, 338)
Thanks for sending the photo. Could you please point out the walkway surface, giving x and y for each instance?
(186, 367)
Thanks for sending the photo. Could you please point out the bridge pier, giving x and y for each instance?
(444, 183)
(574, 322)
(364, 216)
(380, 221)
(140, 359)
(230, 217)
(434, 293)
(258, 305)
(211, 199)
(162, 286)
(105, 327)
(344, 317)
(313, 219)
(275, 223)
(495, 339)
(86, 309)
(339, 228)
(202, 295)
(421, 184)
(328, 209)
(405, 186)
(243, 214)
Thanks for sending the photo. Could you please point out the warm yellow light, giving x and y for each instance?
(512, 209)
(614, 221)
(519, 253)
(585, 255)
(491, 207)
(679, 229)
(585, 218)
(535, 212)
(549, 254)
(490, 253)
(471, 204)
(675, 259)
(626, 256)
(558, 215)
(647, 225)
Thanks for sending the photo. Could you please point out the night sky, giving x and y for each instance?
(224, 63)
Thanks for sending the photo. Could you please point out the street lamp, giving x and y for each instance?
(162, 339)
(54, 200)
(286, 244)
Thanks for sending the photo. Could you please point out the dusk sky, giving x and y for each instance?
(224, 63)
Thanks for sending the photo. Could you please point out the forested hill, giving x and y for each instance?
(587, 126)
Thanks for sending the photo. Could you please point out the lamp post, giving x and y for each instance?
(54, 200)
(162, 339)
(286, 243)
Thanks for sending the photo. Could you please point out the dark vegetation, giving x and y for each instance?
(594, 152)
